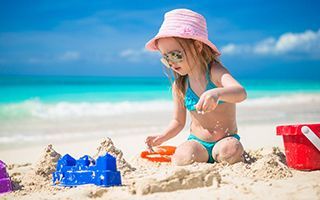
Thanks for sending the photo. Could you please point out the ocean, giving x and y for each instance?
(40, 108)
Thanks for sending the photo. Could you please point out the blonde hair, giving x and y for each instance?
(203, 57)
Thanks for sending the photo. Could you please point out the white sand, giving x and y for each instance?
(263, 171)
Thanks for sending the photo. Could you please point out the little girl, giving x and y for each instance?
(203, 86)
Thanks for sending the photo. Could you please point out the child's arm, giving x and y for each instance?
(176, 124)
(229, 91)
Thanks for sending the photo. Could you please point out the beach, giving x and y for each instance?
(87, 91)
(229, 182)
(42, 119)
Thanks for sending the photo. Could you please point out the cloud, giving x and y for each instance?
(137, 55)
(103, 37)
(67, 56)
(70, 56)
(231, 49)
(306, 43)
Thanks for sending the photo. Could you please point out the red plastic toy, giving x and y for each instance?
(302, 145)
(160, 154)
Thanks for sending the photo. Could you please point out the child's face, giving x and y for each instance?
(169, 45)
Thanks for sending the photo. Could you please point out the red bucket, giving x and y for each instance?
(302, 145)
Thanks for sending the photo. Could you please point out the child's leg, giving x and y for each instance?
(228, 149)
(189, 152)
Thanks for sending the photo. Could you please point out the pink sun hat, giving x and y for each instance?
(183, 23)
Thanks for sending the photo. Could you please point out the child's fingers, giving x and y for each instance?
(150, 149)
(157, 141)
(209, 105)
(152, 141)
(148, 141)
(206, 105)
(199, 104)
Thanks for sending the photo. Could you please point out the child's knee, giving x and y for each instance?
(230, 151)
(183, 158)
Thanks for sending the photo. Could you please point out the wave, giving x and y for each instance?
(37, 109)
(69, 110)
(282, 100)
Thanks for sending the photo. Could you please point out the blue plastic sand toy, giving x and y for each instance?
(72, 172)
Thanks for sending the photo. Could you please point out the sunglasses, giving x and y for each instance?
(172, 57)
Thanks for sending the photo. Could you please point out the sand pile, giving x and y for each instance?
(176, 178)
(38, 177)
(269, 166)
(29, 178)
(260, 164)
(265, 164)
(47, 163)
(150, 177)
(107, 146)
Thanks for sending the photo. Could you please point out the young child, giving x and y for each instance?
(203, 86)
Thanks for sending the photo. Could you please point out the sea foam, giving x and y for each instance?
(73, 110)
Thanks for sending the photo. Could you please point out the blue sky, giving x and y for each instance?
(258, 39)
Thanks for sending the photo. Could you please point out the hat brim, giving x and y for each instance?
(151, 44)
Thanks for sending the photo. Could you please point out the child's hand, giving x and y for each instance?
(154, 140)
(208, 101)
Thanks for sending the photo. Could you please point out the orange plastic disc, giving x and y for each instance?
(160, 154)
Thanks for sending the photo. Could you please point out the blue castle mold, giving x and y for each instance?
(72, 172)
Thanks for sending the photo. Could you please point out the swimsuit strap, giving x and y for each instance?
(208, 73)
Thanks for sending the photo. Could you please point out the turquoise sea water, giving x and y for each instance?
(82, 89)
(55, 108)
(48, 96)
(17, 89)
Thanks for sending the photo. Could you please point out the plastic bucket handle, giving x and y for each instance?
(312, 137)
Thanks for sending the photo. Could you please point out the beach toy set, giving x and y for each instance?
(302, 145)
(159, 154)
(5, 182)
(72, 172)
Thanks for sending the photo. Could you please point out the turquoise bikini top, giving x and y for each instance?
(191, 98)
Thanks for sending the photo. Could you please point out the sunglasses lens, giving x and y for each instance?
(175, 56)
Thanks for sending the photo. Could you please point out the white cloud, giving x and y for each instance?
(235, 49)
(306, 43)
(128, 53)
(265, 46)
(228, 49)
(70, 56)
(136, 55)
